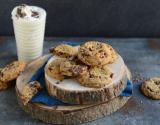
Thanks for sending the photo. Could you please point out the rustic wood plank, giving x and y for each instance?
(73, 114)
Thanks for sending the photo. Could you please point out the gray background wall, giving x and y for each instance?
(108, 18)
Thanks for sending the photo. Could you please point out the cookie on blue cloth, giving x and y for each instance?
(29, 90)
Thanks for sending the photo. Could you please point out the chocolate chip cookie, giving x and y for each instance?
(65, 51)
(70, 68)
(95, 53)
(96, 77)
(29, 91)
(53, 69)
(11, 71)
(151, 88)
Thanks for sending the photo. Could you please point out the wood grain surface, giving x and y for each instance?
(88, 97)
(73, 114)
(140, 57)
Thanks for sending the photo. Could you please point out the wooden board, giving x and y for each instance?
(70, 91)
(64, 114)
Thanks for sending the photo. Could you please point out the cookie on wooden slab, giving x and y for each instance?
(53, 69)
(72, 69)
(96, 77)
(11, 71)
(29, 91)
(71, 91)
(94, 53)
(151, 88)
(64, 50)
(61, 68)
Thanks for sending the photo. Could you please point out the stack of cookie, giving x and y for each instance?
(90, 73)
(88, 64)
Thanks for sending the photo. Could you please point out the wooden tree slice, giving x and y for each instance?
(70, 91)
(63, 114)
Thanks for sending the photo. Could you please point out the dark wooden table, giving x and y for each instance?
(141, 55)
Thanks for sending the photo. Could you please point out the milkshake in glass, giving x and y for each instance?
(29, 28)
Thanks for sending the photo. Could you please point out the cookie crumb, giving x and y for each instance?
(138, 78)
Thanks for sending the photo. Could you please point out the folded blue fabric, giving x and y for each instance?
(43, 97)
(128, 90)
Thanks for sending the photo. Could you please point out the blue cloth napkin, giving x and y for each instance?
(43, 97)
(128, 90)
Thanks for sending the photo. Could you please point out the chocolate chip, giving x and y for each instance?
(52, 49)
(1, 74)
(111, 75)
(78, 70)
(100, 51)
(157, 82)
(90, 49)
(50, 68)
(98, 44)
(150, 89)
(19, 13)
(91, 76)
(102, 56)
(35, 14)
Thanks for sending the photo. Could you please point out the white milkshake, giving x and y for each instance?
(29, 28)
